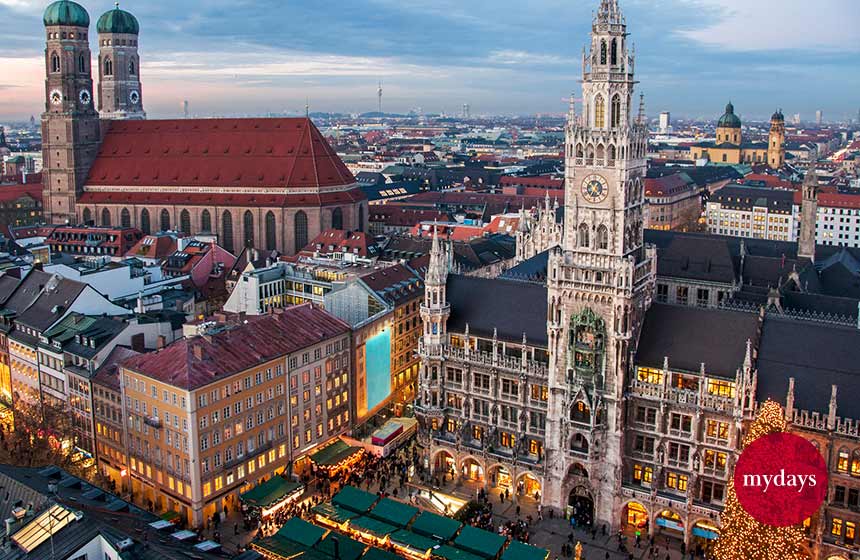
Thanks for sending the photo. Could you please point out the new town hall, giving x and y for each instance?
(265, 183)
(614, 371)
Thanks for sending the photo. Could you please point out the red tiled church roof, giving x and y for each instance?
(191, 363)
(218, 153)
(221, 199)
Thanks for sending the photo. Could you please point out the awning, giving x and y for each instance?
(270, 492)
(117, 505)
(436, 526)
(416, 543)
(300, 531)
(517, 550)
(394, 512)
(373, 526)
(278, 546)
(334, 512)
(379, 554)
(207, 546)
(183, 535)
(480, 542)
(334, 454)
(160, 524)
(354, 499)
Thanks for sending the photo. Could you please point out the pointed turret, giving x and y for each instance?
(437, 271)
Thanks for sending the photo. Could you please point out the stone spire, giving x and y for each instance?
(437, 271)
(808, 216)
(640, 118)
(609, 12)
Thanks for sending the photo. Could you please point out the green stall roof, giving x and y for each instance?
(270, 492)
(279, 546)
(348, 548)
(300, 531)
(480, 542)
(413, 541)
(333, 454)
(394, 512)
(334, 512)
(517, 550)
(436, 526)
(352, 498)
(452, 553)
(379, 554)
(373, 526)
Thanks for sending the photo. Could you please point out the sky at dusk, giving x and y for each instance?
(239, 57)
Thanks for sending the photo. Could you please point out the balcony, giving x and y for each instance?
(693, 399)
(486, 359)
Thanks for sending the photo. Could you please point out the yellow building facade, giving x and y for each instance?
(730, 147)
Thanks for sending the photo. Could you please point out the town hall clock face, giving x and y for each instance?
(134, 97)
(595, 188)
(56, 97)
(84, 96)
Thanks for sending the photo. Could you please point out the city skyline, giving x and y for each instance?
(695, 55)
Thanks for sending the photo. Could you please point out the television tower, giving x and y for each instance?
(465, 110)
(185, 108)
(379, 98)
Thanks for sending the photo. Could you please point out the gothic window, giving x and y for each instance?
(206, 221)
(599, 112)
(55, 62)
(600, 154)
(603, 52)
(616, 111)
(106, 217)
(583, 235)
(580, 412)
(82, 64)
(131, 69)
(613, 57)
(125, 218)
(144, 222)
(360, 217)
(589, 155)
(248, 228)
(602, 238)
(579, 150)
(579, 443)
(300, 230)
(337, 218)
(88, 216)
(227, 230)
(270, 231)
(185, 222)
(610, 154)
(164, 220)
(108, 67)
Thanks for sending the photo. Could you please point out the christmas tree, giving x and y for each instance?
(741, 536)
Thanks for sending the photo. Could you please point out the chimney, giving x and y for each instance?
(160, 342)
(137, 343)
(198, 351)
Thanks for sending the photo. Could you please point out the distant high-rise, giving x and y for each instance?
(796, 118)
(665, 122)
(185, 108)
(379, 98)
(465, 110)
(818, 117)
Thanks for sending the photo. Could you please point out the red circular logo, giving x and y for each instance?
(780, 479)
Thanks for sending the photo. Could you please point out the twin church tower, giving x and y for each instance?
(71, 131)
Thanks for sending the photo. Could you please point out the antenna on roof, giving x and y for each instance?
(307, 107)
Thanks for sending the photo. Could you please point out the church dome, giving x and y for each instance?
(118, 21)
(778, 116)
(729, 119)
(66, 12)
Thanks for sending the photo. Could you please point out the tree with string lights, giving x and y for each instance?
(741, 536)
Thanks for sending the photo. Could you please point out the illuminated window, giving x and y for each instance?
(478, 432)
(207, 488)
(682, 483)
(672, 480)
(508, 440)
(637, 472)
(721, 388)
(842, 462)
(836, 526)
(599, 112)
(650, 375)
(648, 475)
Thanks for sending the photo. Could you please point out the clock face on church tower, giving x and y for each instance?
(595, 188)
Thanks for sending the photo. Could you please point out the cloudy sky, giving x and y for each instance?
(243, 57)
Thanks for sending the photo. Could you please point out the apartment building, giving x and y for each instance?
(756, 212)
(232, 404)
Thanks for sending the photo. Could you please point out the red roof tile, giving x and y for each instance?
(222, 199)
(218, 152)
(191, 363)
(11, 193)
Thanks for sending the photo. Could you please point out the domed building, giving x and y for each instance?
(730, 147)
(251, 183)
